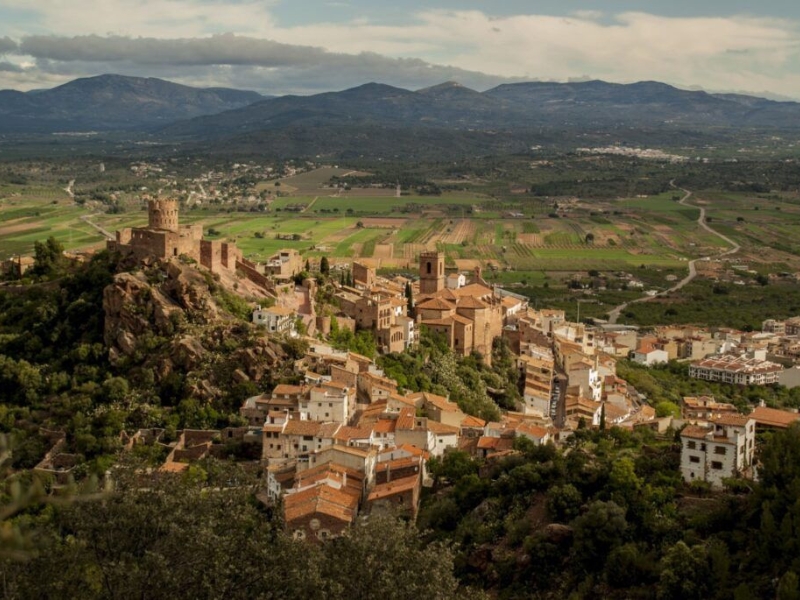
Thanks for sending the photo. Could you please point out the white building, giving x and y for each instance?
(277, 319)
(329, 401)
(647, 354)
(723, 448)
(456, 280)
(741, 370)
(584, 375)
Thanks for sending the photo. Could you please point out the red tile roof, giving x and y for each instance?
(772, 417)
(394, 487)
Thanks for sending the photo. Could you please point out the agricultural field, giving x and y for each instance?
(524, 239)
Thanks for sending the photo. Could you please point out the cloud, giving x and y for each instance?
(185, 39)
(7, 45)
(300, 68)
(590, 15)
(157, 18)
(7, 67)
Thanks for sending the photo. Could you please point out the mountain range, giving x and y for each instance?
(334, 122)
(113, 102)
(591, 104)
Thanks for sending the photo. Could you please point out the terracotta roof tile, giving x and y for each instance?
(772, 417)
(474, 422)
(396, 486)
(441, 428)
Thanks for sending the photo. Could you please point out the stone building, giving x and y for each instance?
(469, 317)
(165, 238)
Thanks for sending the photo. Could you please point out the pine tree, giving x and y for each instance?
(410, 299)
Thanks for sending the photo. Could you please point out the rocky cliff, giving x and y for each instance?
(167, 319)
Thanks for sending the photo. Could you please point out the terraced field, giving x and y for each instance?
(470, 229)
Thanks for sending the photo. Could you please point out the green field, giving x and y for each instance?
(613, 235)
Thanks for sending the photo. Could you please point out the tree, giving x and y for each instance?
(589, 238)
(409, 299)
(598, 531)
(564, 502)
(48, 256)
(324, 266)
(665, 408)
(788, 587)
(685, 573)
(375, 558)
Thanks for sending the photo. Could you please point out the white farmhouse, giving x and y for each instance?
(277, 319)
(723, 448)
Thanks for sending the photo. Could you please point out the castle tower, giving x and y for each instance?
(162, 214)
(431, 272)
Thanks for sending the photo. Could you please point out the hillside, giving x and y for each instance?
(113, 102)
(510, 106)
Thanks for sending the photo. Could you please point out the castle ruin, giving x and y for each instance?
(165, 238)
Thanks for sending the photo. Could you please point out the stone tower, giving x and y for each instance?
(163, 214)
(431, 272)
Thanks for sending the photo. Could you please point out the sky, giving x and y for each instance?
(309, 46)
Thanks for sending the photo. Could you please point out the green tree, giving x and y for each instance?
(374, 559)
(564, 502)
(597, 532)
(788, 587)
(324, 266)
(48, 256)
(685, 573)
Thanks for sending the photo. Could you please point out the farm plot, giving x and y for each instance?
(461, 230)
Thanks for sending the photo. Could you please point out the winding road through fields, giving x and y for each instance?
(614, 314)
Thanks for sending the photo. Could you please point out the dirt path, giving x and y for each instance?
(310, 204)
(105, 232)
(701, 220)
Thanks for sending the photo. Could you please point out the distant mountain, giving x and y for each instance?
(376, 119)
(509, 107)
(113, 102)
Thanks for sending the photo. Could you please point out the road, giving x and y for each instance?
(613, 315)
(105, 232)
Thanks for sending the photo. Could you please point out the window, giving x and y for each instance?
(716, 465)
(694, 459)
(720, 450)
(429, 268)
(691, 445)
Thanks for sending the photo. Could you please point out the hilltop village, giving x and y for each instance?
(342, 438)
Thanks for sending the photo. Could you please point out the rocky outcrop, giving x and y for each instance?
(258, 359)
(135, 304)
(198, 345)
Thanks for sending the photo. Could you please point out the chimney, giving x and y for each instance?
(388, 472)
(344, 479)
